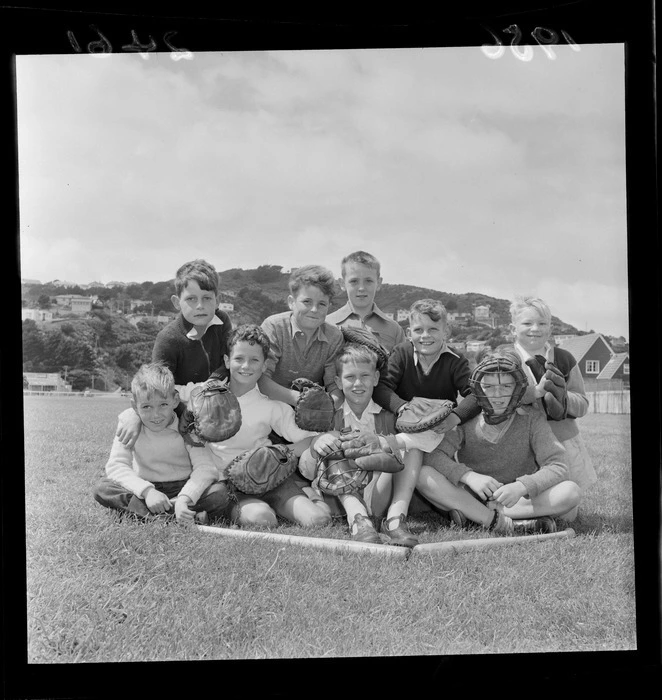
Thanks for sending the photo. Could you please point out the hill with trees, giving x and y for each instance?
(103, 349)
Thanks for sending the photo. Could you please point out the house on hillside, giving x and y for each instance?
(402, 315)
(78, 303)
(459, 318)
(225, 306)
(591, 351)
(483, 316)
(45, 381)
(475, 345)
(36, 315)
(617, 368)
(457, 345)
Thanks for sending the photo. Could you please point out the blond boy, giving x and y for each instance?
(156, 473)
(357, 377)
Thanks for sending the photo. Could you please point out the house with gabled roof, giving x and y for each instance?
(618, 367)
(592, 352)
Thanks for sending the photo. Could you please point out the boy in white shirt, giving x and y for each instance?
(248, 351)
(156, 474)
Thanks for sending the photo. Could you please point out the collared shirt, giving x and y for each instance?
(426, 440)
(388, 332)
(292, 355)
(444, 348)
(194, 334)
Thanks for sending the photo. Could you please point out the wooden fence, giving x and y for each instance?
(608, 401)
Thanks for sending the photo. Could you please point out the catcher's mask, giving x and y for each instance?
(496, 365)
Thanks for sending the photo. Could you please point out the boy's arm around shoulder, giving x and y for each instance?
(549, 453)
(119, 468)
(203, 473)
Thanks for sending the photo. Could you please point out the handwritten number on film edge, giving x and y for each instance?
(545, 38)
(103, 47)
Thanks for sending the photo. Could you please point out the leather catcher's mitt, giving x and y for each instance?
(367, 451)
(314, 409)
(213, 414)
(363, 336)
(337, 475)
(556, 396)
(422, 414)
(555, 400)
(261, 469)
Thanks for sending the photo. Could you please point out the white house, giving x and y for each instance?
(475, 345)
(224, 306)
(402, 314)
(36, 315)
(46, 381)
(482, 311)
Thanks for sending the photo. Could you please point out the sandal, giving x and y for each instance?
(399, 535)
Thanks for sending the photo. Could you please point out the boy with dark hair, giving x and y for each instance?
(303, 344)
(156, 472)
(361, 280)
(192, 345)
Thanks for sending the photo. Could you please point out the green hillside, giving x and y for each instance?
(103, 350)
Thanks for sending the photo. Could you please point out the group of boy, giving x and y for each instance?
(497, 475)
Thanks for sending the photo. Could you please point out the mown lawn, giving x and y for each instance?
(101, 589)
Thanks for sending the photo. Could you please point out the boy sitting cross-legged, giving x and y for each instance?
(248, 350)
(510, 467)
(147, 478)
(193, 345)
(357, 376)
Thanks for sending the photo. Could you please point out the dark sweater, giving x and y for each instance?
(402, 379)
(192, 360)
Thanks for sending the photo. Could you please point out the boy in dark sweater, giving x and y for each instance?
(193, 345)
(421, 366)
(510, 468)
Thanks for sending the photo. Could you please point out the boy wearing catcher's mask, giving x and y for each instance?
(510, 469)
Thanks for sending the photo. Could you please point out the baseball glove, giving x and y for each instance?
(363, 336)
(367, 451)
(213, 414)
(556, 396)
(314, 409)
(261, 469)
(337, 475)
(422, 414)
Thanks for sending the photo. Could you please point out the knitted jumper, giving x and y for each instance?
(527, 452)
(192, 360)
(402, 380)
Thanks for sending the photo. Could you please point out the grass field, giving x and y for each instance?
(101, 589)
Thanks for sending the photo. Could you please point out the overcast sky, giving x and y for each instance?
(460, 173)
